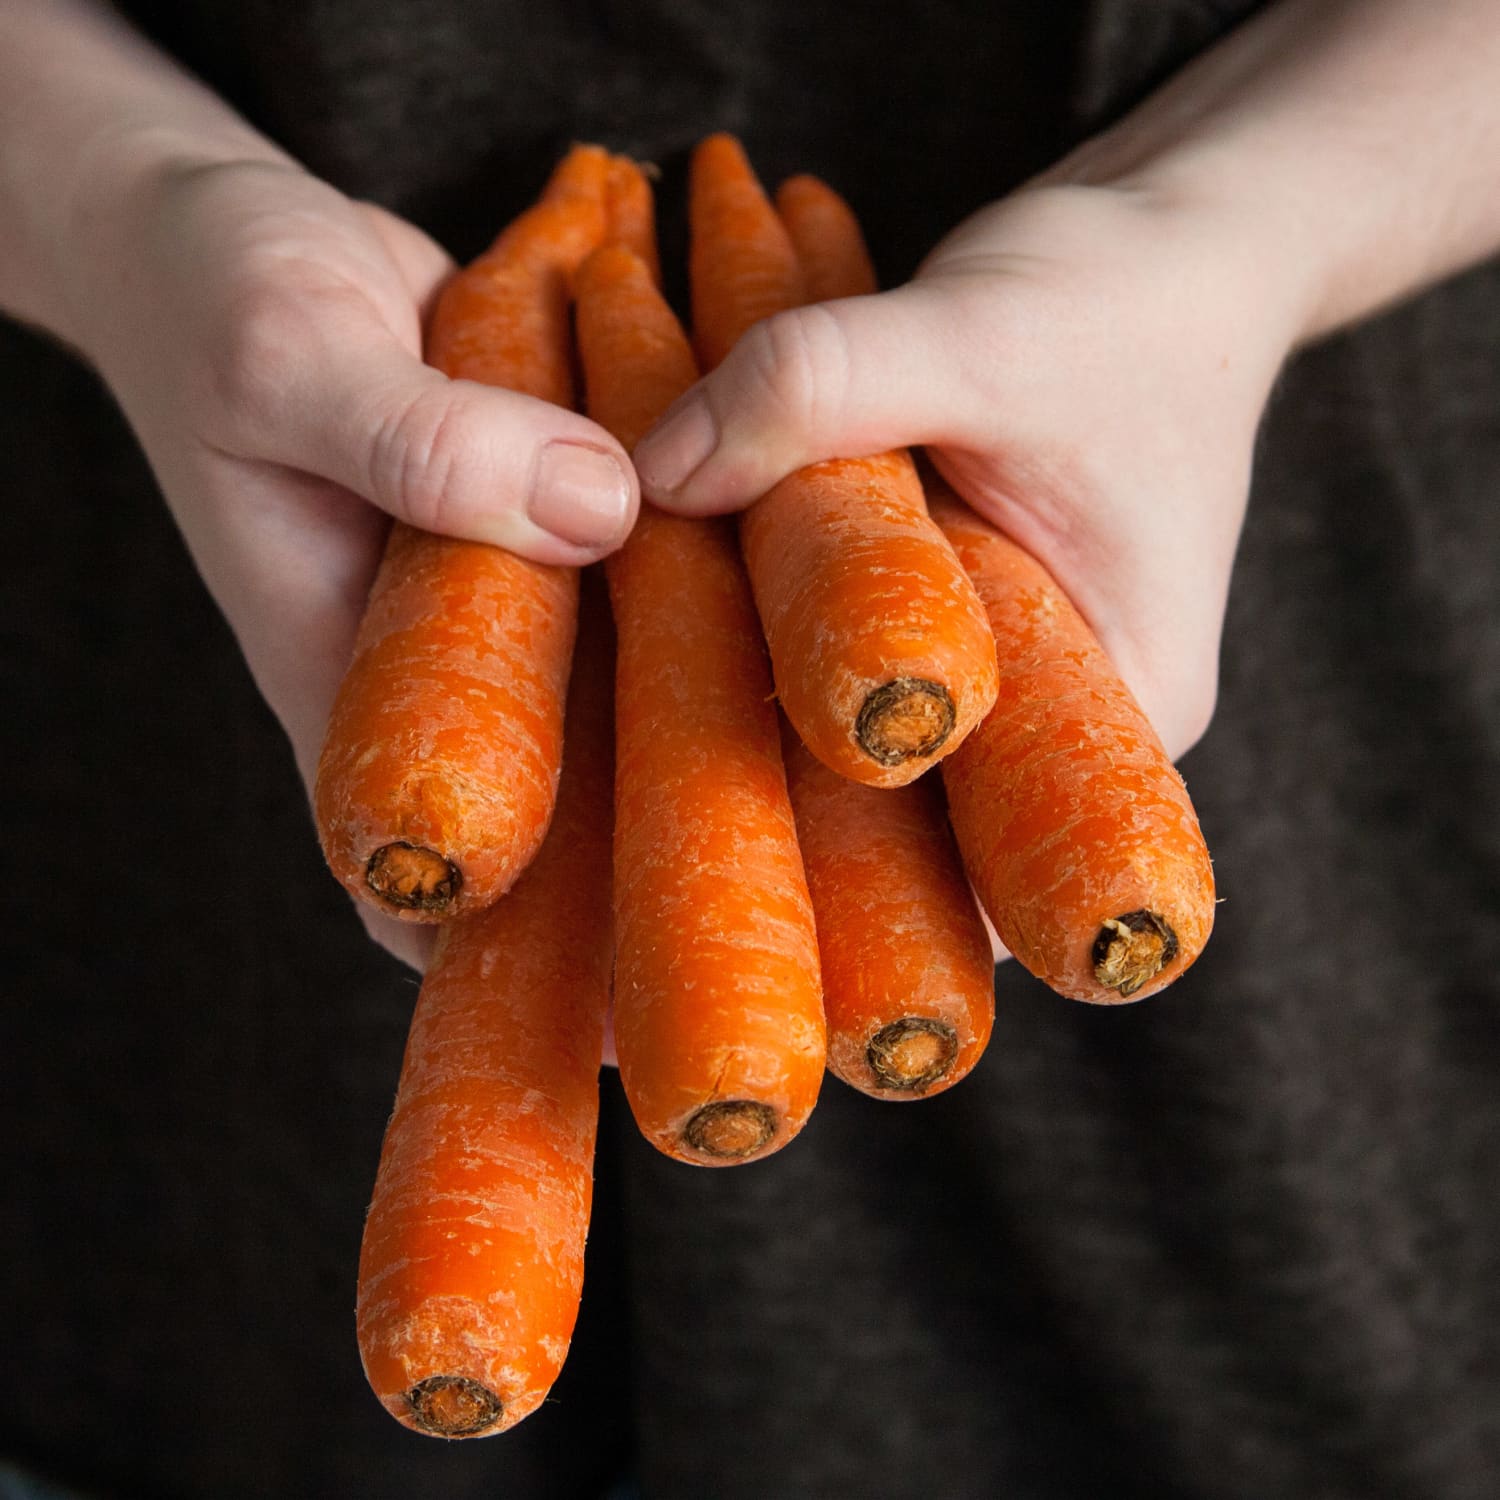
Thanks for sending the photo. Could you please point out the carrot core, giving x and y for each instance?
(912, 1053)
(453, 1406)
(731, 1129)
(412, 878)
(1132, 949)
(904, 720)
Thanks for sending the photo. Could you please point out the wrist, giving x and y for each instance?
(1349, 146)
(88, 110)
(1241, 225)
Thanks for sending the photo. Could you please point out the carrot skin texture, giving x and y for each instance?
(472, 1263)
(446, 733)
(718, 1011)
(882, 655)
(903, 948)
(1069, 812)
(718, 997)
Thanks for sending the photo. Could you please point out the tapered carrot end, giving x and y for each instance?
(912, 1054)
(453, 1406)
(636, 358)
(584, 172)
(632, 213)
(905, 720)
(743, 265)
(732, 1129)
(562, 226)
(413, 879)
(827, 235)
(721, 158)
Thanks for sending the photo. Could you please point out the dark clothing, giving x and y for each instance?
(1240, 1241)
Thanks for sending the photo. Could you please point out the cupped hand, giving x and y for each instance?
(262, 334)
(1086, 365)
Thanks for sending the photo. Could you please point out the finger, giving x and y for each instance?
(423, 264)
(832, 380)
(411, 942)
(998, 951)
(329, 389)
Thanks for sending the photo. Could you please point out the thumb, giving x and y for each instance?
(830, 380)
(448, 456)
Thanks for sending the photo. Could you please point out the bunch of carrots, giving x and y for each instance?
(762, 892)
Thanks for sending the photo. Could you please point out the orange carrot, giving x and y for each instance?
(827, 239)
(439, 769)
(632, 212)
(908, 976)
(882, 658)
(472, 1261)
(742, 264)
(718, 1015)
(1075, 826)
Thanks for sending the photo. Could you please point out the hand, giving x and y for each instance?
(1087, 366)
(262, 333)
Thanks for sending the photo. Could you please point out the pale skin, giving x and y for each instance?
(1088, 359)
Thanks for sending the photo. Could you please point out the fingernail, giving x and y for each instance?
(579, 494)
(669, 456)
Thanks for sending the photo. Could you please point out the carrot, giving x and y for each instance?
(718, 1012)
(439, 769)
(826, 236)
(742, 265)
(632, 216)
(472, 1261)
(1075, 827)
(882, 658)
(908, 976)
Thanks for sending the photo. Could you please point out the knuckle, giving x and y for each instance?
(417, 456)
(260, 346)
(801, 359)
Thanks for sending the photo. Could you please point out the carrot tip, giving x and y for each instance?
(906, 719)
(731, 1129)
(1132, 949)
(912, 1053)
(412, 878)
(453, 1406)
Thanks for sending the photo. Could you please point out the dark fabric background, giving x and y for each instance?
(1237, 1242)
